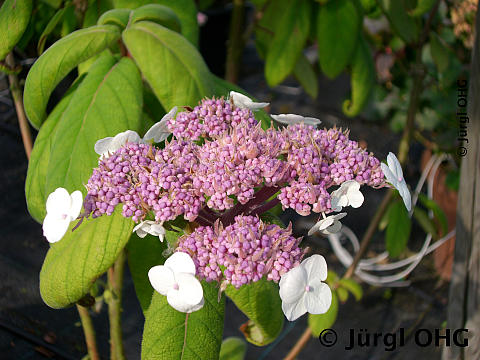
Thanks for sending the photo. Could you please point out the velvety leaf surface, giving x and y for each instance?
(14, 18)
(170, 334)
(59, 59)
(261, 302)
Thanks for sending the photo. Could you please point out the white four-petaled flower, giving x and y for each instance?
(348, 194)
(244, 102)
(62, 208)
(159, 131)
(394, 175)
(176, 280)
(149, 227)
(328, 225)
(295, 119)
(302, 289)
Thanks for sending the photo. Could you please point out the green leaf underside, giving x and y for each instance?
(398, 229)
(338, 28)
(320, 322)
(233, 348)
(57, 62)
(108, 101)
(75, 262)
(290, 35)
(171, 65)
(14, 18)
(170, 334)
(362, 79)
(261, 303)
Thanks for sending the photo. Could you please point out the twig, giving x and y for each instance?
(307, 334)
(89, 332)
(18, 99)
(115, 281)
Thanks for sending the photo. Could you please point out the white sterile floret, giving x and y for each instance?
(244, 102)
(328, 225)
(159, 132)
(289, 119)
(62, 208)
(149, 227)
(105, 147)
(176, 280)
(302, 289)
(394, 175)
(348, 194)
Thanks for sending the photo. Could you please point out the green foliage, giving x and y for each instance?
(320, 322)
(423, 6)
(166, 58)
(61, 58)
(402, 23)
(233, 348)
(73, 264)
(118, 17)
(352, 286)
(261, 303)
(14, 18)
(398, 229)
(440, 52)
(170, 334)
(52, 24)
(338, 29)
(425, 222)
(157, 13)
(305, 74)
(440, 216)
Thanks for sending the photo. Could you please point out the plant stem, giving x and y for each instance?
(300, 344)
(115, 281)
(89, 332)
(265, 207)
(235, 42)
(18, 100)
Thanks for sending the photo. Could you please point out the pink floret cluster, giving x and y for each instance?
(242, 252)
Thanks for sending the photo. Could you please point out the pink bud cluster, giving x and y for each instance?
(242, 252)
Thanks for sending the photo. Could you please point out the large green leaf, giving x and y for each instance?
(170, 334)
(403, 24)
(171, 65)
(320, 322)
(14, 18)
(290, 35)
(108, 101)
(338, 29)
(61, 58)
(75, 262)
(398, 229)
(306, 76)
(261, 302)
(38, 164)
(362, 79)
(159, 14)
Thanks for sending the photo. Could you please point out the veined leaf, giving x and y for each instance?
(171, 65)
(338, 29)
(159, 14)
(57, 62)
(362, 79)
(403, 24)
(233, 348)
(290, 35)
(118, 17)
(108, 101)
(306, 76)
(320, 322)
(261, 302)
(74, 263)
(14, 18)
(398, 229)
(170, 334)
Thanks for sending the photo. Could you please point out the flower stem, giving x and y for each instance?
(235, 42)
(89, 332)
(115, 282)
(265, 207)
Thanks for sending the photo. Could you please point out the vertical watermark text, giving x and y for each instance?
(462, 116)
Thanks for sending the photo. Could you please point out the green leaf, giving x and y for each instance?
(362, 79)
(108, 101)
(170, 334)
(402, 24)
(38, 164)
(159, 14)
(306, 76)
(398, 229)
(74, 263)
(233, 348)
(437, 211)
(342, 294)
(171, 65)
(423, 6)
(118, 17)
(70, 22)
(440, 52)
(261, 303)
(54, 21)
(338, 29)
(14, 18)
(53, 3)
(352, 286)
(94, 10)
(61, 58)
(290, 35)
(320, 322)
(425, 222)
